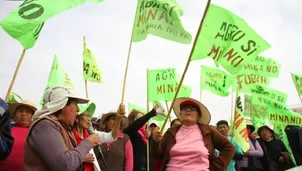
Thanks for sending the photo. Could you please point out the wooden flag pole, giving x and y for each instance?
(296, 86)
(148, 149)
(167, 106)
(15, 75)
(188, 63)
(86, 88)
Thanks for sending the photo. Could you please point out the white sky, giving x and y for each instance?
(107, 27)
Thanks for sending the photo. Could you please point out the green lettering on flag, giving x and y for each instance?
(262, 66)
(160, 18)
(297, 78)
(269, 97)
(247, 81)
(162, 85)
(215, 80)
(91, 71)
(254, 110)
(286, 117)
(228, 39)
(26, 22)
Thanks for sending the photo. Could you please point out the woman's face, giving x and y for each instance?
(223, 129)
(189, 115)
(85, 120)
(266, 134)
(110, 123)
(23, 116)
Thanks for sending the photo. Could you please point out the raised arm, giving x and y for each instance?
(47, 141)
(136, 125)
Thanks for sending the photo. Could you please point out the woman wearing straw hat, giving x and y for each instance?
(80, 131)
(118, 154)
(191, 146)
(22, 113)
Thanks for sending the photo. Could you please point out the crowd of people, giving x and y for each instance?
(64, 136)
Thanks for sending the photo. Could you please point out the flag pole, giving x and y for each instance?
(296, 86)
(188, 63)
(127, 63)
(15, 75)
(167, 106)
(148, 149)
(84, 46)
(86, 88)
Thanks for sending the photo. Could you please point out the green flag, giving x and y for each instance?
(279, 131)
(91, 71)
(285, 116)
(248, 81)
(297, 78)
(26, 22)
(264, 67)
(228, 39)
(269, 97)
(184, 91)
(215, 80)
(160, 18)
(162, 85)
(132, 106)
(254, 110)
(57, 76)
(14, 98)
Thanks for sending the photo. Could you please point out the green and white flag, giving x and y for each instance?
(26, 22)
(297, 78)
(160, 18)
(228, 39)
(215, 80)
(57, 76)
(91, 71)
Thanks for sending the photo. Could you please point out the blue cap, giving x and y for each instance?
(3, 106)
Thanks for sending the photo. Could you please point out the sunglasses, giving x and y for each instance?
(189, 107)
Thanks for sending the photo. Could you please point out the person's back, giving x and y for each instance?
(6, 139)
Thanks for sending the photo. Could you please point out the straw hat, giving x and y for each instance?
(205, 114)
(107, 115)
(90, 108)
(12, 107)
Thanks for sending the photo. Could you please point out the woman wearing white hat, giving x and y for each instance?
(191, 146)
(50, 144)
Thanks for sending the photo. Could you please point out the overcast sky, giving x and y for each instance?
(107, 27)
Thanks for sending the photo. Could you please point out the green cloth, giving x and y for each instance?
(87, 107)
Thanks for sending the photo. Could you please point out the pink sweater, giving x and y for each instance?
(15, 160)
(128, 153)
(189, 152)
